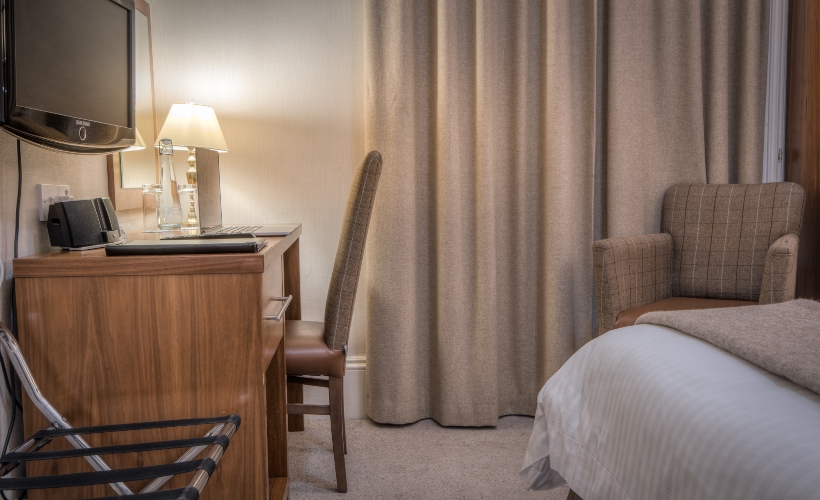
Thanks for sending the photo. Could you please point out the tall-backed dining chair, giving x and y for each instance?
(317, 349)
(721, 245)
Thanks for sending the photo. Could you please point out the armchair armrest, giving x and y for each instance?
(630, 272)
(780, 270)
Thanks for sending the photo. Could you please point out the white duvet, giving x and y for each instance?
(647, 412)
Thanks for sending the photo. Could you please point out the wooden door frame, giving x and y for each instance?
(802, 158)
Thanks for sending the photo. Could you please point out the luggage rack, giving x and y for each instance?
(201, 458)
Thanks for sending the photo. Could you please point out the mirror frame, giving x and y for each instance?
(130, 198)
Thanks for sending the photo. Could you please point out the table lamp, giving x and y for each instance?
(192, 126)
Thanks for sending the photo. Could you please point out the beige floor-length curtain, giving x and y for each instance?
(514, 133)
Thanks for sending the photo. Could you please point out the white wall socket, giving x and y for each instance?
(49, 194)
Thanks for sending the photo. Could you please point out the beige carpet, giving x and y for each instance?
(422, 460)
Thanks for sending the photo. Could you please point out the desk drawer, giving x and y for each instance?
(272, 293)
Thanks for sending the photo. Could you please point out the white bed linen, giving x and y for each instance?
(647, 412)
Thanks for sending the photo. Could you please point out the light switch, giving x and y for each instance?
(49, 194)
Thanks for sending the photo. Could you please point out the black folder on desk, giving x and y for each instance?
(189, 246)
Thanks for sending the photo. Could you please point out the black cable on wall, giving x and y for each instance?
(8, 375)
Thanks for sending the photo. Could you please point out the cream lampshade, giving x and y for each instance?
(191, 126)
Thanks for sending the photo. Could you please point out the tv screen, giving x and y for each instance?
(69, 73)
(59, 48)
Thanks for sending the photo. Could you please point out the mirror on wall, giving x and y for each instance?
(132, 168)
(139, 167)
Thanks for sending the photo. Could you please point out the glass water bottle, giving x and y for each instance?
(168, 208)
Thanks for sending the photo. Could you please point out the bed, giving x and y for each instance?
(648, 412)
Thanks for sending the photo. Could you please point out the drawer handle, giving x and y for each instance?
(281, 314)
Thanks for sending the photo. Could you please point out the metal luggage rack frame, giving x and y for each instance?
(213, 444)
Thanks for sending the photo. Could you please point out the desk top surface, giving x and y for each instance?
(59, 263)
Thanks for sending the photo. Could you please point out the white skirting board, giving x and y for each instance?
(354, 391)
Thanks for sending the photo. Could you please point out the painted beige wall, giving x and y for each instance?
(286, 79)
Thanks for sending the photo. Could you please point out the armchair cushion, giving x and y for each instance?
(630, 272)
(630, 316)
(780, 270)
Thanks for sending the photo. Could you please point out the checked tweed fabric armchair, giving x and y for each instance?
(720, 245)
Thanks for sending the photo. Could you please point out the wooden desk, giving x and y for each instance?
(138, 338)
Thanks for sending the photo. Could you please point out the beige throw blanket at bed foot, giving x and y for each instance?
(781, 338)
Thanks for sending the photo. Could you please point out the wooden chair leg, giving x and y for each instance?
(344, 421)
(296, 423)
(337, 422)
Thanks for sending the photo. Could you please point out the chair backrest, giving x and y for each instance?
(721, 233)
(345, 279)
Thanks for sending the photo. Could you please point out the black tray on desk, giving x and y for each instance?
(187, 246)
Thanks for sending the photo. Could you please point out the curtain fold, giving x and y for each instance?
(513, 134)
(684, 97)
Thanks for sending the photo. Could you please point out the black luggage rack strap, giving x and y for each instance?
(216, 442)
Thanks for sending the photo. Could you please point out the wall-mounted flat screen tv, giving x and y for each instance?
(68, 73)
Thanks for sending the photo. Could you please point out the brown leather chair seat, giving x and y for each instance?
(630, 316)
(306, 352)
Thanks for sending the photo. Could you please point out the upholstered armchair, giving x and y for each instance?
(720, 245)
